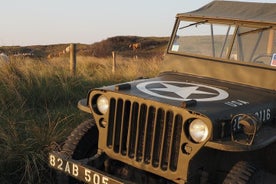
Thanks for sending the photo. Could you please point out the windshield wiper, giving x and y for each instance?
(196, 23)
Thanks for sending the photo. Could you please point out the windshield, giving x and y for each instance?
(248, 44)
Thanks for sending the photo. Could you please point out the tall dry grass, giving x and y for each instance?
(38, 106)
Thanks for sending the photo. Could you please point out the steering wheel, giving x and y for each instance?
(256, 59)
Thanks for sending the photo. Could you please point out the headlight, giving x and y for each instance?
(102, 104)
(198, 130)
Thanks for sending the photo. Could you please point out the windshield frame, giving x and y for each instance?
(256, 28)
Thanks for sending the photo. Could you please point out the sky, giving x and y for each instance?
(38, 22)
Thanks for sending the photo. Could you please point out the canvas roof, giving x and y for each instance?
(239, 11)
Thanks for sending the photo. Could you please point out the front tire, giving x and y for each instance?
(81, 143)
(241, 173)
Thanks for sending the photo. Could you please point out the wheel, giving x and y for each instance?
(81, 143)
(241, 173)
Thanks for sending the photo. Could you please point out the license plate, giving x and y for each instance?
(76, 170)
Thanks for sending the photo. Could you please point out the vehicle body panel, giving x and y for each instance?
(213, 105)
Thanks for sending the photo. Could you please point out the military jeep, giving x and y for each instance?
(210, 117)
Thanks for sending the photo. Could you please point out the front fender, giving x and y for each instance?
(265, 137)
(83, 106)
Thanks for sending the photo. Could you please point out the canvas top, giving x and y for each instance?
(237, 11)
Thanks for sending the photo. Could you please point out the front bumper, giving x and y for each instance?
(81, 171)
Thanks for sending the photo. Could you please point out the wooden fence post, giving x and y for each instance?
(114, 62)
(73, 60)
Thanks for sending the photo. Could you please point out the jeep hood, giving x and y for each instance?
(213, 98)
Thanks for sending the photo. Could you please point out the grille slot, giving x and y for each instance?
(144, 133)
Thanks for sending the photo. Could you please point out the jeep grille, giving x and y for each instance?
(144, 133)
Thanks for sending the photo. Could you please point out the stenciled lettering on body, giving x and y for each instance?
(236, 103)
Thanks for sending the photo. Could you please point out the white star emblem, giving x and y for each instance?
(183, 90)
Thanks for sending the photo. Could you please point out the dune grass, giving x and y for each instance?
(38, 107)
